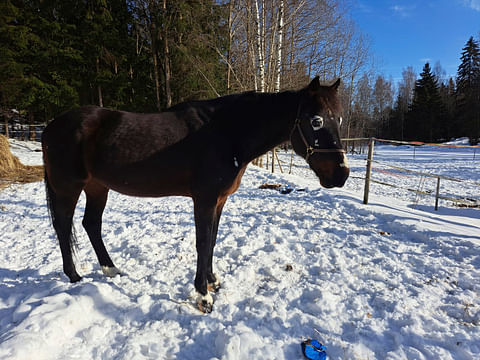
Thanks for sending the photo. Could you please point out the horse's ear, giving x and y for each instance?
(314, 84)
(335, 85)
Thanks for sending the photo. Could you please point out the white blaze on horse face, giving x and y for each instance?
(344, 164)
(340, 120)
(235, 161)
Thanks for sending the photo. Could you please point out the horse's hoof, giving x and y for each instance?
(75, 278)
(214, 286)
(111, 271)
(205, 303)
(72, 275)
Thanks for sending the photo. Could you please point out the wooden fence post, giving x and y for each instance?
(32, 134)
(278, 162)
(273, 160)
(291, 161)
(369, 171)
(437, 193)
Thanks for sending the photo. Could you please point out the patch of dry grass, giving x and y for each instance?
(12, 170)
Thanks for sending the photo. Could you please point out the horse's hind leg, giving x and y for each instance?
(92, 222)
(62, 206)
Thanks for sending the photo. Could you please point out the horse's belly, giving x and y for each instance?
(146, 184)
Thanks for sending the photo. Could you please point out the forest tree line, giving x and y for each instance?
(427, 107)
(147, 55)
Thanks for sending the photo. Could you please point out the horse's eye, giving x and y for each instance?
(316, 122)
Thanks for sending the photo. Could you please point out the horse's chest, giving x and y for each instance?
(233, 185)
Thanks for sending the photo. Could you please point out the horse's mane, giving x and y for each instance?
(228, 109)
(208, 103)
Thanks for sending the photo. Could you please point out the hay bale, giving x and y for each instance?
(8, 162)
(12, 170)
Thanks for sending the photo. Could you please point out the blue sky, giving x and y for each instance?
(409, 33)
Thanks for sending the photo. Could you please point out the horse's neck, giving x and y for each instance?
(271, 125)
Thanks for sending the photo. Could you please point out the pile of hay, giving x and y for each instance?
(12, 170)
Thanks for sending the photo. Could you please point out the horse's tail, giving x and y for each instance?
(53, 211)
(51, 196)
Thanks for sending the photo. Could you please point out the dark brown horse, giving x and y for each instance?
(198, 149)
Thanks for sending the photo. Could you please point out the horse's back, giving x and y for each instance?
(93, 142)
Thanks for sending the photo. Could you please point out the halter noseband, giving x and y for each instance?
(310, 150)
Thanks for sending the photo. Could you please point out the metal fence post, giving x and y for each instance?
(369, 171)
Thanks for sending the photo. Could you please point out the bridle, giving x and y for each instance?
(310, 150)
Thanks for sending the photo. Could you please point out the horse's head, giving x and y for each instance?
(316, 136)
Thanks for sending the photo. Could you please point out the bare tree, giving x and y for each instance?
(406, 86)
(405, 95)
(362, 108)
(294, 39)
(383, 102)
(440, 73)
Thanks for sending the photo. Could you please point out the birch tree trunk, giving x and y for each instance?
(166, 58)
(259, 37)
(229, 46)
(278, 68)
(156, 78)
(99, 87)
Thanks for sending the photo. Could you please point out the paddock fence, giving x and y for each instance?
(357, 147)
(424, 178)
(367, 145)
(23, 131)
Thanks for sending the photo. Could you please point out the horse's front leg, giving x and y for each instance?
(205, 218)
(213, 280)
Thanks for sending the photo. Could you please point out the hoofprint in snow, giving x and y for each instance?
(391, 280)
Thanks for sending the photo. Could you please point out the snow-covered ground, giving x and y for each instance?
(391, 280)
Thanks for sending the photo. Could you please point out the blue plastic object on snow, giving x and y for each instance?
(314, 350)
(287, 189)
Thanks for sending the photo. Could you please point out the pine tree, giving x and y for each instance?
(12, 41)
(197, 33)
(425, 121)
(36, 71)
(468, 92)
(59, 54)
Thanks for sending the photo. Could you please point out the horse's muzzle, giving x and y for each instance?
(337, 179)
(331, 173)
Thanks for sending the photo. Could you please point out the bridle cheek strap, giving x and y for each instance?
(310, 150)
